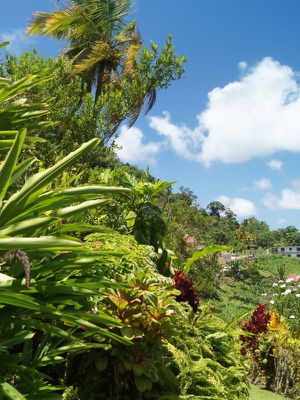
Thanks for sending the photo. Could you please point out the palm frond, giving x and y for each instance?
(151, 99)
(69, 24)
(3, 44)
(130, 59)
(99, 53)
(106, 13)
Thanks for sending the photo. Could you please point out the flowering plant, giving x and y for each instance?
(257, 325)
(285, 298)
(187, 289)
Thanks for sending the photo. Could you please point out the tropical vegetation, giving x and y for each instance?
(111, 285)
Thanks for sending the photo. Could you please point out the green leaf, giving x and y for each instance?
(68, 211)
(8, 134)
(235, 320)
(8, 165)
(5, 145)
(3, 44)
(64, 288)
(18, 337)
(40, 243)
(49, 328)
(92, 190)
(207, 251)
(32, 187)
(22, 301)
(51, 357)
(29, 225)
(127, 332)
(13, 89)
(79, 227)
(52, 200)
(21, 168)
(10, 392)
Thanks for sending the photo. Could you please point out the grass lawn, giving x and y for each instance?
(269, 264)
(258, 394)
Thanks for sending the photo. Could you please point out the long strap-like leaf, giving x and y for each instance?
(32, 187)
(40, 243)
(10, 392)
(9, 164)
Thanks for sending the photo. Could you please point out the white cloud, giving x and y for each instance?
(254, 116)
(242, 65)
(18, 40)
(296, 184)
(241, 207)
(185, 142)
(262, 184)
(288, 199)
(281, 221)
(275, 164)
(133, 149)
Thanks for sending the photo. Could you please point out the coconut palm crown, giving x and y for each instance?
(103, 47)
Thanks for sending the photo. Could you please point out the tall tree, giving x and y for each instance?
(259, 231)
(101, 45)
(107, 53)
(215, 209)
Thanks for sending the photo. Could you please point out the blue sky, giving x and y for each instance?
(230, 129)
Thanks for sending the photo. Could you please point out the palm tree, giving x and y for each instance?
(102, 47)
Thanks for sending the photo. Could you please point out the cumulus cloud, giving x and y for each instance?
(281, 221)
(262, 184)
(275, 164)
(254, 116)
(18, 40)
(133, 149)
(241, 207)
(185, 142)
(288, 199)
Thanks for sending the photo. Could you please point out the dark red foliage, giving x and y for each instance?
(258, 324)
(187, 290)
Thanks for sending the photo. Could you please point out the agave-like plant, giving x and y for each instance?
(47, 284)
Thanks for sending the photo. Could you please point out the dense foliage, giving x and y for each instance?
(110, 283)
(257, 325)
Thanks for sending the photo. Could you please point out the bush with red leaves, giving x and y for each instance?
(187, 290)
(258, 324)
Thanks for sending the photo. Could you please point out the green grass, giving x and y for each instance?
(236, 297)
(258, 394)
(270, 263)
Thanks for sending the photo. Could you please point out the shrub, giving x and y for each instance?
(187, 290)
(257, 325)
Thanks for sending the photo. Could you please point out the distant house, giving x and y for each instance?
(292, 251)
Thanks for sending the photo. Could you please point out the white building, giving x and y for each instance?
(292, 251)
